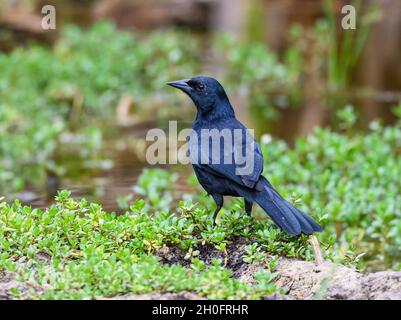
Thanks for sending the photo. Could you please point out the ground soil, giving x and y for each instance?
(299, 279)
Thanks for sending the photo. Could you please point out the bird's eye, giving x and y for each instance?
(200, 87)
(196, 85)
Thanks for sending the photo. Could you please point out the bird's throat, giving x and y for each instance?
(216, 112)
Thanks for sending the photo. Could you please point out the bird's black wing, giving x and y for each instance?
(246, 157)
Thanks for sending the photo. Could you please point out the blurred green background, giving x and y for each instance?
(76, 103)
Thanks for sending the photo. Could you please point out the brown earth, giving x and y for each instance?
(299, 279)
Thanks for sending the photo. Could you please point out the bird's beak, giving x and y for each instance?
(180, 84)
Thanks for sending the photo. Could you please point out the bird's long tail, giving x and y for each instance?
(283, 213)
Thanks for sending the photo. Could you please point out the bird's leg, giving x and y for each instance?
(248, 207)
(316, 249)
(219, 202)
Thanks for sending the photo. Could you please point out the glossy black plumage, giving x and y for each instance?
(214, 111)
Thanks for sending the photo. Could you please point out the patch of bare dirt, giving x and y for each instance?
(8, 282)
(232, 258)
(299, 279)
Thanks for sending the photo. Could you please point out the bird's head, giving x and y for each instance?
(206, 92)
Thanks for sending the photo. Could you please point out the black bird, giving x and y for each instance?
(221, 178)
